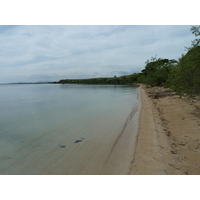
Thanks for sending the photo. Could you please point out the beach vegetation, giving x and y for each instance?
(183, 75)
(156, 71)
(196, 42)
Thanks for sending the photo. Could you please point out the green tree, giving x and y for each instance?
(185, 77)
(157, 71)
(196, 31)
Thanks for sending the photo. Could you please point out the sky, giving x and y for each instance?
(31, 53)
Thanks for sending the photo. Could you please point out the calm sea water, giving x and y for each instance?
(61, 129)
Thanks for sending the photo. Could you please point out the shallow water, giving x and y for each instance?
(61, 129)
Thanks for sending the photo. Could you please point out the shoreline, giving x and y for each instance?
(168, 137)
(120, 158)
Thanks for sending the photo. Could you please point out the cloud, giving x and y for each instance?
(55, 52)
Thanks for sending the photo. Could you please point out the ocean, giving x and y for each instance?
(60, 129)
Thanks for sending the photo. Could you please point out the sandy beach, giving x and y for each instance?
(169, 134)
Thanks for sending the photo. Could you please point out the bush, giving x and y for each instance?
(185, 78)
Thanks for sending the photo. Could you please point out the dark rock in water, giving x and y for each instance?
(78, 141)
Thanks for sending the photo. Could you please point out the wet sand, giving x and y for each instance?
(169, 134)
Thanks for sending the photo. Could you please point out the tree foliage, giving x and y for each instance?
(185, 77)
(196, 42)
(157, 71)
(182, 76)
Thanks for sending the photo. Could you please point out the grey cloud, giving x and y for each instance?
(85, 51)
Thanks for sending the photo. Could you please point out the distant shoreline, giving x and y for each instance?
(25, 83)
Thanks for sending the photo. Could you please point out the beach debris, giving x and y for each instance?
(172, 165)
(173, 152)
(181, 143)
(197, 107)
(168, 133)
(186, 172)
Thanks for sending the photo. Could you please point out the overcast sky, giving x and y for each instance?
(51, 53)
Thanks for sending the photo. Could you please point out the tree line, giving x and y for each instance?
(182, 75)
(126, 79)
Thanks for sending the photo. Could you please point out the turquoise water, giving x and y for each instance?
(61, 129)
